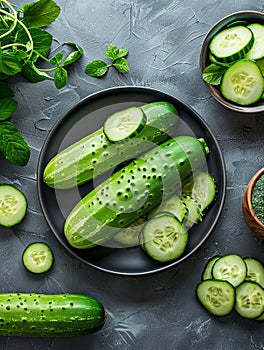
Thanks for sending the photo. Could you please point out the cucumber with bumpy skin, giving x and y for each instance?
(49, 315)
(134, 190)
(95, 154)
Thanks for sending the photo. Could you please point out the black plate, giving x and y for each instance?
(84, 118)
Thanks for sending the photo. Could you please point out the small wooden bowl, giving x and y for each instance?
(251, 219)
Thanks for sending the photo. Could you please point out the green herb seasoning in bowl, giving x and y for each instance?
(232, 61)
(253, 204)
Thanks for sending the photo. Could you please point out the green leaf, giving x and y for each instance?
(42, 40)
(56, 59)
(33, 74)
(114, 53)
(213, 74)
(10, 62)
(13, 145)
(96, 68)
(17, 152)
(121, 65)
(5, 90)
(73, 56)
(7, 107)
(40, 13)
(60, 77)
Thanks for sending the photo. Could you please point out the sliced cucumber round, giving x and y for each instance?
(173, 205)
(194, 213)
(130, 235)
(232, 43)
(37, 257)
(249, 300)
(164, 238)
(255, 271)
(13, 205)
(231, 268)
(218, 297)
(207, 272)
(124, 124)
(242, 82)
(202, 188)
(257, 50)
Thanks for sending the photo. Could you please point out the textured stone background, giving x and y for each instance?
(159, 311)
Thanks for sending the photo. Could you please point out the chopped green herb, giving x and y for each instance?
(258, 199)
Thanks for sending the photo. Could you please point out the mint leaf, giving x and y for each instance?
(5, 90)
(17, 152)
(114, 53)
(42, 40)
(73, 56)
(7, 107)
(60, 77)
(122, 65)
(96, 68)
(12, 144)
(213, 74)
(56, 59)
(10, 62)
(33, 74)
(40, 13)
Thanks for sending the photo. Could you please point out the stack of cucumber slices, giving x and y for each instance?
(236, 54)
(164, 233)
(231, 282)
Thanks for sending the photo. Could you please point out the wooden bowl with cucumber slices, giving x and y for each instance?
(253, 204)
(232, 61)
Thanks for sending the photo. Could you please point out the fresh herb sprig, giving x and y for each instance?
(24, 47)
(98, 68)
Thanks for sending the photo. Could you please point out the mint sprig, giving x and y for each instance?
(99, 68)
(24, 47)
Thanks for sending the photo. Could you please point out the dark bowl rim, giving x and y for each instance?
(203, 57)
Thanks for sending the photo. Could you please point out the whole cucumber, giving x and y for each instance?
(134, 190)
(49, 315)
(95, 154)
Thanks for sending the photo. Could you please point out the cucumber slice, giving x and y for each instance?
(194, 212)
(249, 300)
(257, 50)
(242, 83)
(13, 205)
(231, 268)
(164, 238)
(202, 188)
(260, 64)
(130, 235)
(261, 317)
(207, 272)
(213, 59)
(255, 271)
(237, 23)
(232, 43)
(124, 124)
(37, 257)
(218, 297)
(173, 205)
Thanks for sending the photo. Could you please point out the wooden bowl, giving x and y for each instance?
(251, 219)
(249, 16)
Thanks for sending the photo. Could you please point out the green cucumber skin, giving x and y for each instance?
(134, 190)
(95, 154)
(49, 315)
